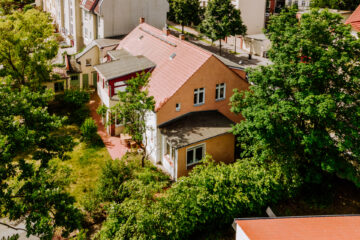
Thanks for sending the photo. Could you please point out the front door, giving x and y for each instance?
(85, 81)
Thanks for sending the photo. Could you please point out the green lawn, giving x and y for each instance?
(85, 163)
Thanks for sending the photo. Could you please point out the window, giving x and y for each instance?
(178, 106)
(118, 121)
(220, 91)
(199, 96)
(74, 77)
(88, 62)
(195, 154)
(59, 86)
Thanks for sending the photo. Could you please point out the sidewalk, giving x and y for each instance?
(242, 57)
(113, 144)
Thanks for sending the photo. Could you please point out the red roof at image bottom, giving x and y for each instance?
(302, 228)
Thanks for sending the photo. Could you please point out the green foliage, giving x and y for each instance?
(211, 197)
(133, 104)
(7, 6)
(76, 98)
(336, 4)
(102, 110)
(303, 110)
(89, 130)
(124, 179)
(221, 19)
(30, 188)
(185, 12)
(27, 47)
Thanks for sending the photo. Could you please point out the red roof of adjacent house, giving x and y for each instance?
(89, 4)
(300, 228)
(176, 60)
(354, 19)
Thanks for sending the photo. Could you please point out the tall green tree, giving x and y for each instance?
(134, 103)
(336, 4)
(27, 47)
(221, 20)
(29, 139)
(304, 109)
(185, 12)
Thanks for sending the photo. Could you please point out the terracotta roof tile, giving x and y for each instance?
(176, 60)
(300, 228)
(354, 19)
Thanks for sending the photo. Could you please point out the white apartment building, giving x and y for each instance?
(67, 17)
(302, 4)
(112, 18)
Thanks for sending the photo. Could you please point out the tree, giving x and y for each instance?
(221, 20)
(304, 109)
(336, 4)
(29, 139)
(7, 6)
(134, 103)
(236, 26)
(27, 47)
(185, 12)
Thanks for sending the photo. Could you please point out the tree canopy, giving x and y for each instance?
(185, 12)
(336, 4)
(29, 139)
(221, 20)
(304, 109)
(27, 47)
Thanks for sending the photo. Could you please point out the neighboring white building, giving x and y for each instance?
(112, 18)
(302, 4)
(252, 13)
(67, 18)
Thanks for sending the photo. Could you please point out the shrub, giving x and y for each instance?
(76, 98)
(210, 197)
(78, 116)
(101, 110)
(89, 129)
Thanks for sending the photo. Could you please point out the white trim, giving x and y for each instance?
(218, 88)
(203, 145)
(240, 234)
(197, 92)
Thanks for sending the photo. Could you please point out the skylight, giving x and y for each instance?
(172, 56)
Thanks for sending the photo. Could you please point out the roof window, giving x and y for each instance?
(141, 37)
(172, 56)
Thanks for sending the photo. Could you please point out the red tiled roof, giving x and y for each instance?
(97, 7)
(300, 228)
(89, 4)
(354, 19)
(169, 74)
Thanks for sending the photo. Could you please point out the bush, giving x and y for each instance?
(76, 98)
(89, 129)
(211, 197)
(101, 110)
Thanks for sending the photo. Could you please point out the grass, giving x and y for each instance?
(85, 162)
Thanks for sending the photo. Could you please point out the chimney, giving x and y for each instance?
(141, 20)
(166, 31)
(182, 36)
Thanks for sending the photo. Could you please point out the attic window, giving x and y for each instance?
(172, 56)
(141, 37)
(178, 106)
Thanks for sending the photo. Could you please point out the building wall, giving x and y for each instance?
(221, 148)
(253, 14)
(240, 234)
(211, 73)
(122, 16)
(88, 26)
(92, 54)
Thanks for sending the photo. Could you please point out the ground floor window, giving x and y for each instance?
(59, 87)
(75, 81)
(195, 154)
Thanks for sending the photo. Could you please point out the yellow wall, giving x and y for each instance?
(211, 73)
(221, 148)
(92, 54)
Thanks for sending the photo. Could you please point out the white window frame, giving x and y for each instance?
(197, 92)
(193, 148)
(178, 107)
(218, 89)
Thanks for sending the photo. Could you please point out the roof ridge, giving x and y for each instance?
(178, 40)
